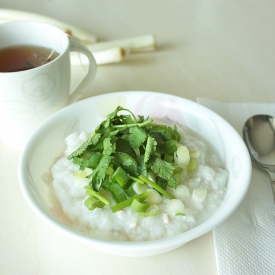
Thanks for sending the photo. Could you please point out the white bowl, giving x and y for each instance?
(47, 144)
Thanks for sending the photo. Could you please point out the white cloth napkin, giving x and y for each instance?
(245, 242)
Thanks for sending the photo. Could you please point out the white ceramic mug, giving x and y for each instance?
(28, 97)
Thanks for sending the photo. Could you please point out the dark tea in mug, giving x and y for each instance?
(21, 58)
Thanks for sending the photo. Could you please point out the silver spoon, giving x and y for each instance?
(259, 136)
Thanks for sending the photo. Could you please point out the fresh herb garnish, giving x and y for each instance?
(122, 151)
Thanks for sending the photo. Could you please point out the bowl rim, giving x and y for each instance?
(175, 240)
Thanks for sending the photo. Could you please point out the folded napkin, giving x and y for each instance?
(245, 242)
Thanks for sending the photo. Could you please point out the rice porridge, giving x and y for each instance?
(197, 196)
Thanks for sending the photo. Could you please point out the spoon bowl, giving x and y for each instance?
(259, 136)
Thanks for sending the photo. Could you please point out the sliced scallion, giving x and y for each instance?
(93, 193)
(178, 178)
(151, 176)
(182, 191)
(120, 176)
(157, 187)
(191, 167)
(110, 171)
(136, 179)
(194, 154)
(139, 206)
(182, 155)
(151, 211)
(154, 197)
(180, 214)
(199, 194)
(118, 193)
(128, 202)
(92, 202)
(174, 206)
(139, 187)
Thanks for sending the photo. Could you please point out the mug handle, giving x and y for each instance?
(77, 93)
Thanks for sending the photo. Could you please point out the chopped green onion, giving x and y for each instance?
(92, 202)
(179, 170)
(182, 155)
(191, 167)
(178, 178)
(139, 206)
(174, 206)
(118, 193)
(120, 176)
(136, 179)
(151, 176)
(139, 187)
(154, 197)
(151, 211)
(180, 214)
(110, 171)
(128, 202)
(93, 193)
(194, 154)
(157, 187)
(199, 194)
(182, 191)
(130, 191)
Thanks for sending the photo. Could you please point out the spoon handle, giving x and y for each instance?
(272, 181)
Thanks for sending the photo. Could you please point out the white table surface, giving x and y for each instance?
(222, 50)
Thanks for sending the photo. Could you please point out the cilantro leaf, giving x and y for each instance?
(107, 146)
(150, 148)
(124, 159)
(162, 168)
(137, 136)
(92, 140)
(129, 164)
(100, 171)
(166, 147)
(94, 160)
(122, 145)
(141, 166)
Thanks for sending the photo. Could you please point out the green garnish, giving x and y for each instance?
(124, 150)
(92, 202)
(95, 194)
(151, 211)
(143, 196)
(139, 206)
(157, 187)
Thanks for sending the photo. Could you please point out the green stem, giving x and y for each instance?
(129, 111)
(92, 193)
(157, 187)
(142, 124)
(128, 202)
(136, 179)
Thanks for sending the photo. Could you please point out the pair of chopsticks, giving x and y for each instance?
(106, 52)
